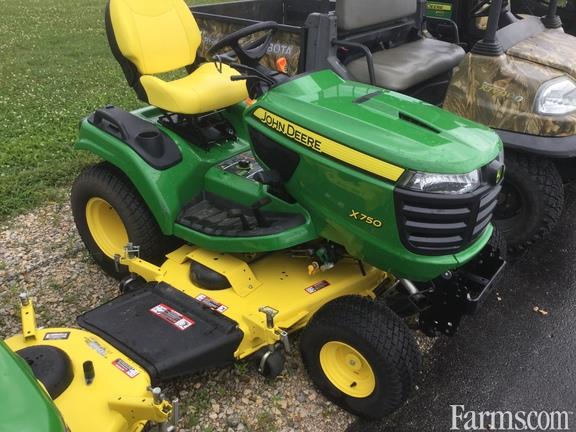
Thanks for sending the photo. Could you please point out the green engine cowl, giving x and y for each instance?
(344, 149)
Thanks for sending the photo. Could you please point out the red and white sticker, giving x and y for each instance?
(125, 367)
(211, 303)
(317, 287)
(172, 316)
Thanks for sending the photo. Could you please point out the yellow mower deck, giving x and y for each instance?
(268, 298)
(276, 283)
(118, 399)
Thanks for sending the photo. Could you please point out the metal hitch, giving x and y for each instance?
(463, 293)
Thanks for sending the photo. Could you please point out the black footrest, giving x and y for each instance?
(215, 216)
(165, 331)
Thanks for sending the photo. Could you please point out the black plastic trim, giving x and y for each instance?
(275, 156)
(442, 224)
(207, 278)
(149, 142)
(553, 147)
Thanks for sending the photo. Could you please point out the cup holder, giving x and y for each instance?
(151, 142)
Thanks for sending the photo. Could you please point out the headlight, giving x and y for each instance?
(441, 183)
(556, 97)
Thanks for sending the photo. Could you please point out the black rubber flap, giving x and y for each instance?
(168, 333)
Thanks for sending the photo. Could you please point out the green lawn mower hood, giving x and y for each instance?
(355, 157)
(389, 126)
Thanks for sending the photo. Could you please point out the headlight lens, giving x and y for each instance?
(556, 97)
(441, 183)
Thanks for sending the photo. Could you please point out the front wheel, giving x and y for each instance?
(531, 201)
(109, 213)
(361, 356)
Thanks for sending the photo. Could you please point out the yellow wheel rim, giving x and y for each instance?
(347, 369)
(106, 227)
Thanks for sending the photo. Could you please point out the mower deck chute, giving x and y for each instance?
(167, 332)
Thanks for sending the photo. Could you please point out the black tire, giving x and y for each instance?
(104, 181)
(531, 201)
(384, 341)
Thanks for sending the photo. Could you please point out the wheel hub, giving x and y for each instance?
(106, 227)
(347, 369)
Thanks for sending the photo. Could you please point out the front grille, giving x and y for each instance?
(440, 224)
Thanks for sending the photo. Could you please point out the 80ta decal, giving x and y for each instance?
(359, 216)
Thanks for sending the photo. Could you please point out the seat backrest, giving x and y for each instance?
(156, 36)
(357, 14)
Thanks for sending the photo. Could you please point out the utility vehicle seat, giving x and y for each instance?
(150, 37)
(402, 66)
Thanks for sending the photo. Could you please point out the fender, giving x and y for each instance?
(163, 191)
(551, 146)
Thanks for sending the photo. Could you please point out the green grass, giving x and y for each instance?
(55, 68)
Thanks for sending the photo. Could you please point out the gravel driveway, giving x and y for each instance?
(41, 253)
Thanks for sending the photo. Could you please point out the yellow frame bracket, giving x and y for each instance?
(134, 409)
(27, 317)
(238, 273)
(259, 331)
(142, 268)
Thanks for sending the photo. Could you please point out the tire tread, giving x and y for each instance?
(385, 332)
(144, 230)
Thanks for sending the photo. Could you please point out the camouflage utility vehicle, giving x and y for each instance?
(566, 11)
(516, 74)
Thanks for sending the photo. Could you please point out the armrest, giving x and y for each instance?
(449, 22)
(367, 54)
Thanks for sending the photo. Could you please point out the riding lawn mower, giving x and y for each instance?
(244, 205)
(478, 59)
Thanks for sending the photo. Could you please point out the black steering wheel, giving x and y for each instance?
(249, 54)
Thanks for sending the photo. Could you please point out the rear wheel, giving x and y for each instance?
(361, 356)
(531, 201)
(109, 213)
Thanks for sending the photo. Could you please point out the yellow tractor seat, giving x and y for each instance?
(150, 37)
(206, 89)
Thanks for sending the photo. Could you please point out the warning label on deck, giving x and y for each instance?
(211, 303)
(96, 346)
(172, 316)
(125, 367)
(56, 335)
(317, 287)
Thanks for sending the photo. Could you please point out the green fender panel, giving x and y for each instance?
(25, 405)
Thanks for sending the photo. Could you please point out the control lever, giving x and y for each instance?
(268, 177)
(260, 218)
